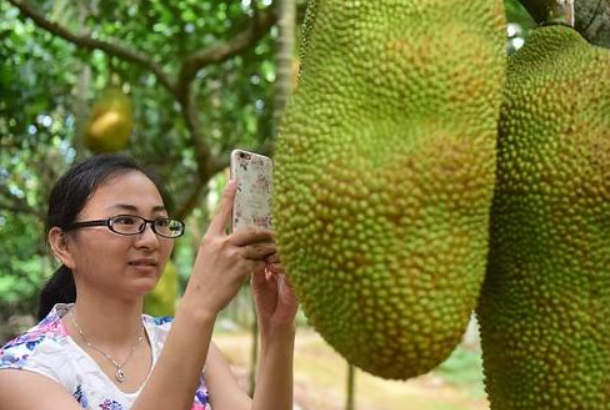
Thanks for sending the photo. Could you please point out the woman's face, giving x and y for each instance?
(128, 265)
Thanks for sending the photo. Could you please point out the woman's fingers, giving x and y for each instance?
(255, 267)
(259, 277)
(275, 268)
(225, 209)
(249, 236)
(275, 258)
(258, 251)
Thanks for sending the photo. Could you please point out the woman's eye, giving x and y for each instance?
(162, 223)
(125, 220)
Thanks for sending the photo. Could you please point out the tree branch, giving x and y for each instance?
(89, 43)
(216, 164)
(592, 17)
(540, 10)
(192, 199)
(258, 27)
(203, 152)
(207, 163)
(15, 204)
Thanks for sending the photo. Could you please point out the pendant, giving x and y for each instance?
(119, 375)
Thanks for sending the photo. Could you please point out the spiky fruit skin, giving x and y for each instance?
(384, 175)
(162, 300)
(545, 303)
(111, 123)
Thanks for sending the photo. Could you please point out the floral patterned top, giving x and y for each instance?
(47, 349)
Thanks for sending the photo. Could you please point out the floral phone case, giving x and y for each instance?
(253, 174)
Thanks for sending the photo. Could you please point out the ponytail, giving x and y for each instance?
(59, 289)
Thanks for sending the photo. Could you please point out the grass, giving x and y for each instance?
(321, 374)
(464, 369)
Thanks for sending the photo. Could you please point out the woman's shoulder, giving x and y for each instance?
(161, 322)
(158, 328)
(46, 338)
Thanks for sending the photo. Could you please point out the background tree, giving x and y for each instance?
(200, 75)
(284, 58)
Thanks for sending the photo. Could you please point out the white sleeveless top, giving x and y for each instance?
(47, 349)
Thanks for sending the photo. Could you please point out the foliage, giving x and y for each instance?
(47, 85)
(520, 23)
(39, 103)
(20, 279)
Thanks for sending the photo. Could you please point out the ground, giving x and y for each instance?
(320, 379)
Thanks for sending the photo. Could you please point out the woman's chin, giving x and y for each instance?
(143, 286)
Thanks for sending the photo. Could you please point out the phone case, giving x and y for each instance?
(253, 174)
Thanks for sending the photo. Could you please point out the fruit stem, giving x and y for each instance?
(550, 12)
(562, 13)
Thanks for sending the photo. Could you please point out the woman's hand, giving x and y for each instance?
(224, 262)
(275, 301)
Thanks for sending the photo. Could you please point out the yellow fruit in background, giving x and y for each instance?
(162, 300)
(111, 122)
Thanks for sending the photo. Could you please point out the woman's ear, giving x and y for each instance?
(60, 248)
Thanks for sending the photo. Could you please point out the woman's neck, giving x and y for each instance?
(106, 320)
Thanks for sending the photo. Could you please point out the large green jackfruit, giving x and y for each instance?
(545, 304)
(385, 167)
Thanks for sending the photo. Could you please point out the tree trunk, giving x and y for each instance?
(253, 356)
(283, 87)
(285, 58)
(81, 110)
(593, 21)
(351, 388)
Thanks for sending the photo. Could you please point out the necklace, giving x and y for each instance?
(119, 374)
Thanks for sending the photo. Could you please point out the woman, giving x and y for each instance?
(108, 225)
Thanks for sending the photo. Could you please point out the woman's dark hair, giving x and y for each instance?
(68, 198)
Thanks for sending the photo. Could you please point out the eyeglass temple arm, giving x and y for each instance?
(101, 222)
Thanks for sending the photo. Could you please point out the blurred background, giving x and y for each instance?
(177, 85)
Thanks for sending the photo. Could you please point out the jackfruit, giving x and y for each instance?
(162, 300)
(545, 302)
(385, 167)
(308, 24)
(111, 122)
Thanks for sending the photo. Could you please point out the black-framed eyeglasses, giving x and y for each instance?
(134, 225)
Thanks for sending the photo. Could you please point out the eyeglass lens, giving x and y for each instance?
(131, 224)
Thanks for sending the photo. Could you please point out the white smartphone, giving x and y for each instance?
(253, 174)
